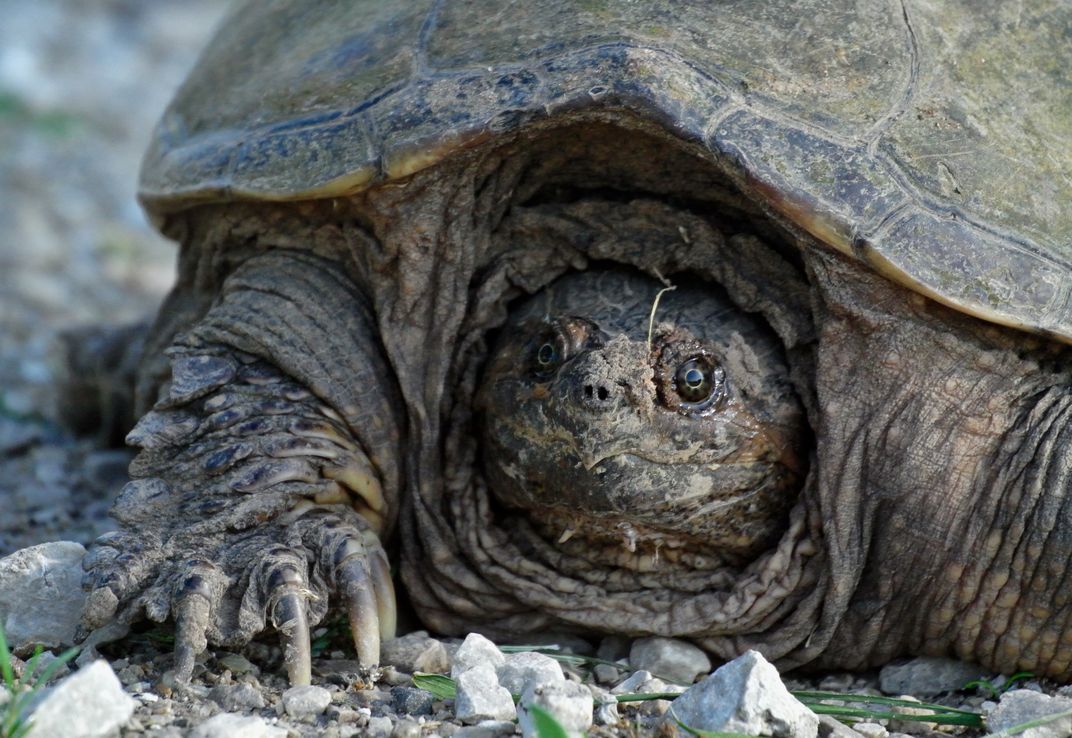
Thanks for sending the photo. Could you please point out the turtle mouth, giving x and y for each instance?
(636, 502)
(591, 463)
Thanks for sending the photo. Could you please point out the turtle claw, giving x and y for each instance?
(191, 625)
(196, 600)
(290, 618)
(354, 582)
(384, 587)
(361, 576)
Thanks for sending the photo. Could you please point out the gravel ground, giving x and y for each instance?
(81, 84)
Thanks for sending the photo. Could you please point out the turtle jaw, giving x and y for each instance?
(633, 496)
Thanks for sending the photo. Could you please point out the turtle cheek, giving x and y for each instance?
(513, 440)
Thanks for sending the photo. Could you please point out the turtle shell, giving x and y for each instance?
(930, 141)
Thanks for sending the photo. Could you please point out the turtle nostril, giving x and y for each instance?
(591, 392)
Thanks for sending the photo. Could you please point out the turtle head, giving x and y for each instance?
(653, 424)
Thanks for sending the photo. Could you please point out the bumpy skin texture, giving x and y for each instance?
(258, 493)
(930, 519)
(685, 446)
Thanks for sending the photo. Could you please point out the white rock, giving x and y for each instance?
(41, 595)
(415, 652)
(633, 682)
(914, 725)
(306, 700)
(87, 704)
(831, 727)
(378, 727)
(744, 696)
(642, 682)
(926, 676)
(871, 730)
(606, 674)
(569, 703)
(480, 697)
(237, 697)
(519, 669)
(232, 725)
(475, 650)
(1022, 705)
(669, 658)
(606, 706)
(487, 729)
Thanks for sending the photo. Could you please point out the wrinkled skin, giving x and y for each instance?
(321, 374)
(688, 447)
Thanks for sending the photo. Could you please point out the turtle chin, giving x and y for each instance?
(634, 501)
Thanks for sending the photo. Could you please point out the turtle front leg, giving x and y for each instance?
(268, 472)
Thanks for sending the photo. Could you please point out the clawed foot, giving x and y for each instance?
(251, 513)
(282, 578)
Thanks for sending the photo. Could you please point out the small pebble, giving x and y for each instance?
(415, 652)
(744, 696)
(378, 727)
(519, 669)
(411, 701)
(836, 683)
(927, 676)
(871, 730)
(569, 703)
(406, 729)
(484, 729)
(306, 701)
(831, 727)
(480, 697)
(475, 650)
(606, 674)
(391, 676)
(606, 706)
(670, 659)
(230, 725)
(237, 664)
(89, 703)
(633, 682)
(1022, 705)
(236, 697)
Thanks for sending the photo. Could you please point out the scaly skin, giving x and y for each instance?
(932, 518)
(593, 433)
(266, 475)
(944, 477)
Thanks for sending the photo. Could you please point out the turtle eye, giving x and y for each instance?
(547, 355)
(696, 380)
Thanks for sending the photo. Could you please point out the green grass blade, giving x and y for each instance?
(441, 686)
(30, 669)
(940, 714)
(646, 696)
(876, 700)
(6, 671)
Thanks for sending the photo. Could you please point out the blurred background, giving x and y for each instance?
(82, 82)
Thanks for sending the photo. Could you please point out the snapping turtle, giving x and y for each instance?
(423, 304)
